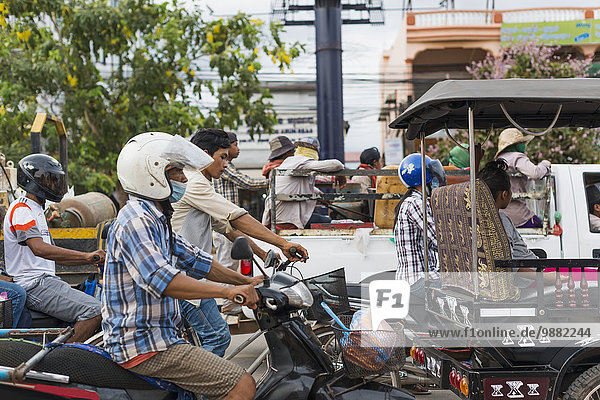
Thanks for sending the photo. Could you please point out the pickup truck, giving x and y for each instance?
(366, 253)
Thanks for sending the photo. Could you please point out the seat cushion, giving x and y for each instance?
(80, 365)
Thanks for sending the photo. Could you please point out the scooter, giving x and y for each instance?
(299, 368)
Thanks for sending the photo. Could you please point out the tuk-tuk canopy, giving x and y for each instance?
(532, 103)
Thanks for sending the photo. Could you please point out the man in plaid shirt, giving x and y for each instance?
(148, 267)
(408, 226)
(408, 235)
(233, 179)
(408, 231)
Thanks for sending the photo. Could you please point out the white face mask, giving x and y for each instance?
(178, 191)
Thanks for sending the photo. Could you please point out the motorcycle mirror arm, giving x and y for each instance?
(266, 280)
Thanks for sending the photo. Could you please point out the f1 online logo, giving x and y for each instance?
(389, 300)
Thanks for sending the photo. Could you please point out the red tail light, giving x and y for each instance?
(246, 268)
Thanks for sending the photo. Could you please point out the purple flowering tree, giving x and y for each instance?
(535, 60)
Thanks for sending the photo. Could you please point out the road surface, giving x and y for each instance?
(246, 358)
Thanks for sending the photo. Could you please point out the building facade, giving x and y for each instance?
(437, 45)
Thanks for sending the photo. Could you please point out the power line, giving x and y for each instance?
(391, 9)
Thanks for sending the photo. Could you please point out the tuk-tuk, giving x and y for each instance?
(492, 335)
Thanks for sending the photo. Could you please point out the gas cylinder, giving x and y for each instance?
(86, 210)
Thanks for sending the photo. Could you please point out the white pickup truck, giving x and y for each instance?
(569, 198)
(364, 253)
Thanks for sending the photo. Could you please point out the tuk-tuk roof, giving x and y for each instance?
(532, 103)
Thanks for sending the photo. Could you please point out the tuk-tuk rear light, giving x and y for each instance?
(457, 378)
(412, 352)
(246, 267)
(452, 377)
(464, 386)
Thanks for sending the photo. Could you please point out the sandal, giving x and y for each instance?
(417, 390)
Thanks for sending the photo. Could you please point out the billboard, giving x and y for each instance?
(585, 31)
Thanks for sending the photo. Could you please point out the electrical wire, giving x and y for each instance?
(391, 9)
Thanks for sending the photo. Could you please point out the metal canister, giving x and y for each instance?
(87, 210)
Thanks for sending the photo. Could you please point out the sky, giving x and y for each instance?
(362, 49)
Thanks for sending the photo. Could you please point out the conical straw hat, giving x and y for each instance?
(511, 136)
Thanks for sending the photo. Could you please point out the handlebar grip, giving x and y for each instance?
(239, 299)
(295, 253)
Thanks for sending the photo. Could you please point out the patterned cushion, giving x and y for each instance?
(451, 206)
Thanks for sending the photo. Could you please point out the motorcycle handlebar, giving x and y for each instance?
(294, 253)
(239, 299)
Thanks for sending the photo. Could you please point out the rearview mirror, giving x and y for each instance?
(241, 249)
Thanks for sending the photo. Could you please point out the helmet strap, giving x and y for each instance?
(167, 210)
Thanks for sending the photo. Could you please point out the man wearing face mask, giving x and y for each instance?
(202, 209)
(149, 267)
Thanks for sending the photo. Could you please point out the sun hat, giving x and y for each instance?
(511, 136)
(279, 145)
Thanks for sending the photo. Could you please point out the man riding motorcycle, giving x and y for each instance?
(148, 267)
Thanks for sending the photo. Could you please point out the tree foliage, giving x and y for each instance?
(535, 60)
(113, 72)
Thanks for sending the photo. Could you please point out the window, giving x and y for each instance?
(592, 195)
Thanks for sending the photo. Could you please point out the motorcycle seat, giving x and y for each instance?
(82, 366)
(41, 320)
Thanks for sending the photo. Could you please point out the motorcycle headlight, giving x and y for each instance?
(298, 295)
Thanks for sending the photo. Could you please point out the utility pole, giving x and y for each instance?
(328, 19)
(330, 108)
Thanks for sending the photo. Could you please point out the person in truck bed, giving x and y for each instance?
(512, 148)
(300, 214)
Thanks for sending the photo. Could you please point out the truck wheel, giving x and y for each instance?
(586, 386)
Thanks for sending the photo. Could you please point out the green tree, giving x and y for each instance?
(535, 60)
(113, 72)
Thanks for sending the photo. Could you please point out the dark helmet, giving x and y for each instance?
(42, 176)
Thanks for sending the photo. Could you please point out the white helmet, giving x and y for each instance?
(143, 161)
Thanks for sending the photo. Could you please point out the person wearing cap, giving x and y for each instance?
(593, 198)
(512, 147)
(281, 148)
(459, 156)
(300, 214)
(31, 255)
(369, 159)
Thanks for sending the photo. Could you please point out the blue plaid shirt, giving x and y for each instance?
(136, 317)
